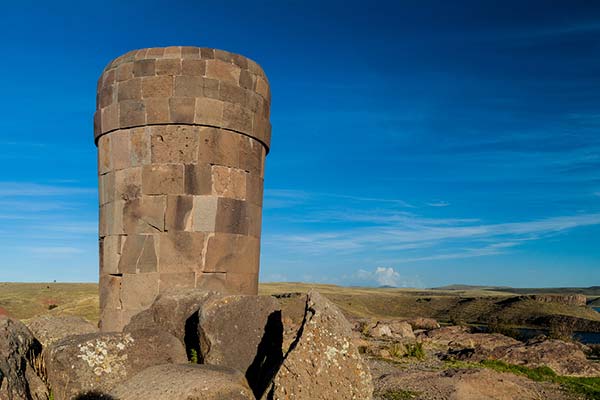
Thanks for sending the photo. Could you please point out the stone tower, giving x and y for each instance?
(182, 135)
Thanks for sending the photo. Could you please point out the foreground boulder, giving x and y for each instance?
(18, 348)
(423, 323)
(564, 358)
(243, 333)
(49, 329)
(322, 363)
(185, 382)
(97, 362)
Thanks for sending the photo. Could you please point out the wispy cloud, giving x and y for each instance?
(25, 189)
(438, 204)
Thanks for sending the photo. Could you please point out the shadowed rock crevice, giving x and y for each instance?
(95, 396)
(191, 338)
(269, 356)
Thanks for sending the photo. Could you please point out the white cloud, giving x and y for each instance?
(438, 204)
(383, 276)
(26, 189)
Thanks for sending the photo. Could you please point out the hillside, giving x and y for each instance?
(468, 305)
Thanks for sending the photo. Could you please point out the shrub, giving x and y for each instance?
(52, 306)
(398, 394)
(415, 350)
(193, 356)
(396, 350)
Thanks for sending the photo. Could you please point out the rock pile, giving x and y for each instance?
(191, 345)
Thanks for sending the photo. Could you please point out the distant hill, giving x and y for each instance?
(592, 291)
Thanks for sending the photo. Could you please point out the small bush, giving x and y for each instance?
(194, 356)
(52, 306)
(415, 350)
(396, 350)
(594, 352)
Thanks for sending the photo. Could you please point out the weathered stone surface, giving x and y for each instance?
(171, 312)
(564, 358)
(48, 329)
(18, 347)
(323, 363)
(97, 362)
(178, 382)
(244, 333)
(423, 323)
(160, 179)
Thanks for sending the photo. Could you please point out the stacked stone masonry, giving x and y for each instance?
(182, 136)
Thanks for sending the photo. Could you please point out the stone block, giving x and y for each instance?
(144, 68)
(124, 72)
(157, 110)
(237, 118)
(211, 88)
(168, 66)
(111, 218)
(110, 118)
(110, 292)
(110, 252)
(206, 53)
(231, 216)
(120, 149)
(140, 146)
(106, 188)
(105, 97)
(190, 53)
(204, 214)
(262, 88)
(208, 111)
(198, 179)
(233, 254)
(109, 78)
(223, 71)
(104, 155)
(127, 183)
(193, 67)
(174, 144)
(155, 52)
(157, 86)
(219, 147)
(224, 56)
(131, 113)
(247, 80)
(179, 213)
(177, 280)
(139, 254)
(254, 214)
(189, 86)
(139, 290)
(228, 182)
(246, 284)
(141, 54)
(172, 52)
(162, 179)
(254, 189)
(212, 281)
(130, 90)
(144, 215)
(233, 94)
(182, 110)
(251, 155)
(181, 251)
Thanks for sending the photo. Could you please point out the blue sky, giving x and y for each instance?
(414, 143)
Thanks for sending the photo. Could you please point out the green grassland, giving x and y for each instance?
(475, 305)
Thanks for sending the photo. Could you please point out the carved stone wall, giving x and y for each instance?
(182, 135)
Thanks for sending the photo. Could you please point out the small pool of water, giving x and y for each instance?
(583, 337)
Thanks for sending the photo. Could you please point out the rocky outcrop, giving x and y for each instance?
(179, 382)
(49, 329)
(391, 329)
(244, 333)
(459, 337)
(564, 358)
(567, 299)
(423, 323)
(322, 362)
(18, 348)
(97, 362)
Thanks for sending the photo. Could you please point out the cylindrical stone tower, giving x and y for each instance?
(182, 135)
